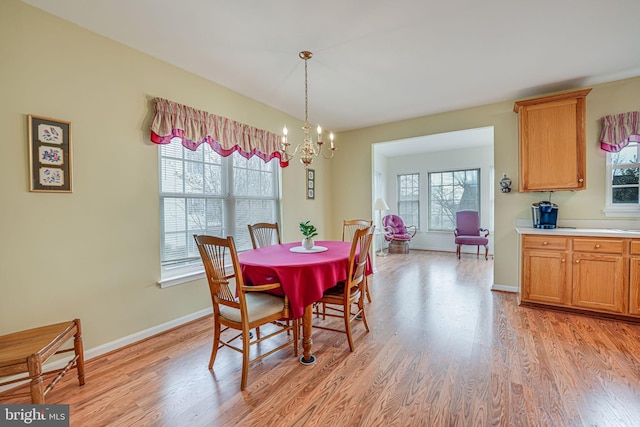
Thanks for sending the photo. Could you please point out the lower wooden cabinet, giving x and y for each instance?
(545, 273)
(595, 274)
(545, 277)
(598, 282)
(634, 279)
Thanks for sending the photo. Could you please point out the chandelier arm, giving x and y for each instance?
(291, 155)
(328, 157)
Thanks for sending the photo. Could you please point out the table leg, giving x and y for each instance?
(307, 358)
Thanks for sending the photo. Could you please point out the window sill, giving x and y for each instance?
(620, 212)
(180, 276)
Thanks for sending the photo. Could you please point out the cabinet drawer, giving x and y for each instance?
(607, 246)
(545, 242)
(635, 247)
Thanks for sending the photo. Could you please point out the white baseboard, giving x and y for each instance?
(139, 336)
(504, 288)
(117, 344)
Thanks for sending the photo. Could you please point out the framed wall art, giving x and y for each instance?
(311, 184)
(49, 155)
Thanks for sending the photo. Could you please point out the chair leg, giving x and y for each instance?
(366, 287)
(362, 315)
(458, 251)
(79, 352)
(486, 253)
(216, 344)
(245, 359)
(347, 325)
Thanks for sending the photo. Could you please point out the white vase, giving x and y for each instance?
(307, 243)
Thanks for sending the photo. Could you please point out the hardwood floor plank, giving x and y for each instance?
(444, 350)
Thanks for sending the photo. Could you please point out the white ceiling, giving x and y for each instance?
(376, 61)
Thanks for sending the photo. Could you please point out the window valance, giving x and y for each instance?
(619, 130)
(193, 127)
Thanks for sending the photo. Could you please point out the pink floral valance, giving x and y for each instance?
(619, 130)
(193, 127)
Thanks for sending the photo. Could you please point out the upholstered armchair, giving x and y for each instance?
(469, 232)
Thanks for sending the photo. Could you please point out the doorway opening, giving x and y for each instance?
(441, 163)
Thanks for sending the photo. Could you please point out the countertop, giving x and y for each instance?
(575, 231)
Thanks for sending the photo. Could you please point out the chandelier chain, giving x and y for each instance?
(306, 95)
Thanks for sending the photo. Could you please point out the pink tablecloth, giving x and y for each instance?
(304, 276)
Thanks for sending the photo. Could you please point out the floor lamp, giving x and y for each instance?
(380, 206)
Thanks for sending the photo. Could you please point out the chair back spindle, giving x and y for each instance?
(264, 234)
(349, 227)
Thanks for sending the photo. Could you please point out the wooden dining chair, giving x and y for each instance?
(264, 234)
(243, 308)
(340, 299)
(349, 227)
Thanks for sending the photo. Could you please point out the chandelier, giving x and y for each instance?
(307, 149)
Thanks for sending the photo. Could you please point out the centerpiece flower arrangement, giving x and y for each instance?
(309, 231)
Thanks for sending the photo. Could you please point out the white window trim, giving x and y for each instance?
(180, 275)
(188, 274)
(623, 211)
(617, 210)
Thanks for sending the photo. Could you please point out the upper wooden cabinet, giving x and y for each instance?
(552, 142)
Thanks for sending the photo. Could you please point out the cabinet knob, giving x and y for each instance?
(597, 246)
(545, 243)
(580, 180)
(577, 261)
(562, 260)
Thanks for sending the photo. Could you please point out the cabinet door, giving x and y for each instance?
(634, 291)
(545, 277)
(552, 142)
(598, 282)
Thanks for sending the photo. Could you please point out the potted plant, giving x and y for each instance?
(309, 231)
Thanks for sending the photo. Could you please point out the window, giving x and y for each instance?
(449, 192)
(202, 192)
(623, 184)
(409, 199)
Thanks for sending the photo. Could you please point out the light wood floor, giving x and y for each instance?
(444, 350)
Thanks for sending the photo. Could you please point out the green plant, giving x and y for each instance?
(308, 230)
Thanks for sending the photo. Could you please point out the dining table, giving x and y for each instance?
(304, 275)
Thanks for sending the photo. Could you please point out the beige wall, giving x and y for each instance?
(610, 98)
(94, 253)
